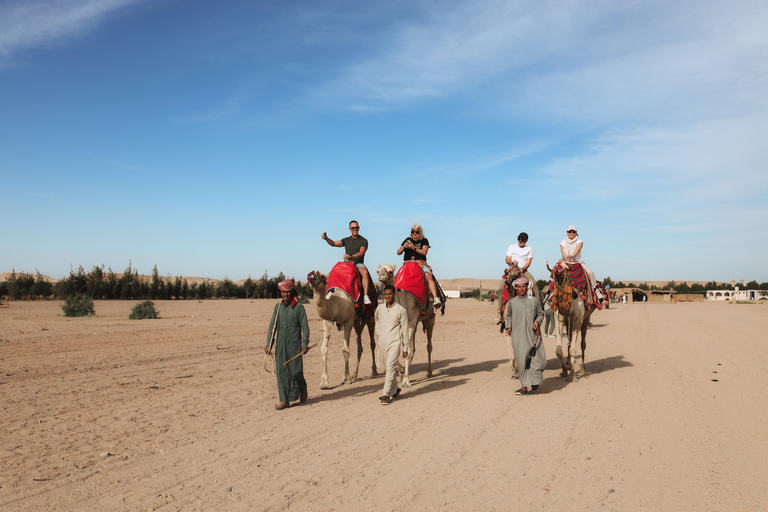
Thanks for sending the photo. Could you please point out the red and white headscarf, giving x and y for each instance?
(289, 285)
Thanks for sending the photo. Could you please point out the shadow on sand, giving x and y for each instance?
(442, 371)
(556, 382)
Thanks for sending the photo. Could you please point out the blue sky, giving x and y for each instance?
(223, 139)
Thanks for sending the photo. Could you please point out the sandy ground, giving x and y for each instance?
(105, 413)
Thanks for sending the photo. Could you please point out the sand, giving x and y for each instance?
(106, 413)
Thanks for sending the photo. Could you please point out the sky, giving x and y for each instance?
(222, 139)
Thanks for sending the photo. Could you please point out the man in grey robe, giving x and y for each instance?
(523, 316)
(288, 335)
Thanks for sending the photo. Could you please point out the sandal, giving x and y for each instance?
(396, 393)
(385, 400)
(282, 405)
(521, 391)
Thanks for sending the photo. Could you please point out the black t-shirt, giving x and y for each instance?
(410, 254)
(353, 245)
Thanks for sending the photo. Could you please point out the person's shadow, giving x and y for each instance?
(440, 379)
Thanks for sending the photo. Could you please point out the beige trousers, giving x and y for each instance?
(390, 355)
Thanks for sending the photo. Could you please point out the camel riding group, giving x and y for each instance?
(573, 294)
(347, 298)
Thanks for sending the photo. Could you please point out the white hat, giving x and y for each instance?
(572, 227)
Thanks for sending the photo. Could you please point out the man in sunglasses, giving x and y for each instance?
(354, 252)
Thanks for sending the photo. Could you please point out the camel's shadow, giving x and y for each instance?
(598, 366)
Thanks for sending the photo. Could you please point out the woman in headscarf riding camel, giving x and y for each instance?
(582, 276)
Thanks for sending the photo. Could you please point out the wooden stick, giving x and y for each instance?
(298, 355)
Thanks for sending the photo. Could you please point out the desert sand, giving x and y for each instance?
(106, 413)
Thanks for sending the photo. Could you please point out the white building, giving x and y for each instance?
(736, 294)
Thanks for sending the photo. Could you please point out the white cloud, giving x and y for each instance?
(29, 24)
(588, 61)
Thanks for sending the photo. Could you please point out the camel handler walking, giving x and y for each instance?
(289, 334)
(523, 316)
(354, 251)
(392, 334)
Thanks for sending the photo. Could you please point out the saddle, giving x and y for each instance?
(410, 278)
(345, 277)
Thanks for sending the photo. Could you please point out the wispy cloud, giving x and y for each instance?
(229, 107)
(577, 59)
(30, 24)
(131, 167)
(28, 193)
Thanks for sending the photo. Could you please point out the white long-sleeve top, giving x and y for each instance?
(392, 325)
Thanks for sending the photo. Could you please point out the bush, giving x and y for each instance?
(78, 304)
(143, 310)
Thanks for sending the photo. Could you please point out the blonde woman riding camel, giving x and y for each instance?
(415, 248)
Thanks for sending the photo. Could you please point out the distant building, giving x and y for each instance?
(736, 294)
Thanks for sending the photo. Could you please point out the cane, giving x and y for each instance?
(299, 354)
(272, 344)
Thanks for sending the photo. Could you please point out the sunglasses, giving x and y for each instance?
(354, 227)
(571, 231)
(414, 231)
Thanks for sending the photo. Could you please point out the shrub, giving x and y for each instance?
(78, 304)
(143, 310)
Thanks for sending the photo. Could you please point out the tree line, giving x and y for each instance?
(686, 288)
(129, 285)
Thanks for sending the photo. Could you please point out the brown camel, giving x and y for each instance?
(337, 307)
(571, 319)
(386, 275)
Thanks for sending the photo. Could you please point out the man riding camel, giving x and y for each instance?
(521, 255)
(354, 252)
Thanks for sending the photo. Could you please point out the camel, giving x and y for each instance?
(337, 307)
(571, 319)
(386, 275)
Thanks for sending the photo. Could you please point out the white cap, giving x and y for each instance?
(572, 227)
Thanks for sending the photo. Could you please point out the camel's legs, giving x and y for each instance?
(409, 359)
(560, 323)
(572, 347)
(374, 357)
(584, 328)
(359, 336)
(327, 326)
(429, 325)
(345, 351)
(583, 331)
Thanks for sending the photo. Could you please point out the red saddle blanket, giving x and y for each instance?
(344, 276)
(410, 278)
(578, 277)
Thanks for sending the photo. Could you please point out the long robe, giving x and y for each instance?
(292, 336)
(520, 314)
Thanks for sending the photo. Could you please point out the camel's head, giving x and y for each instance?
(510, 274)
(316, 278)
(560, 274)
(385, 272)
